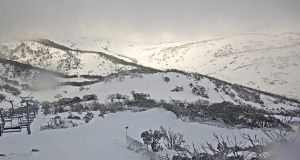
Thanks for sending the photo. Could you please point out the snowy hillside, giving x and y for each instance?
(17, 80)
(63, 60)
(265, 62)
(103, 138)
(88, 98)
(212, 91)
(97, 44)
(104, 135)
(22, 80)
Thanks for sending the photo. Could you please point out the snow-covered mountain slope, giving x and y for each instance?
(104, 138)
(19, 79)
(210, 90)
(63, 60)
(266, 62)
(97, 44)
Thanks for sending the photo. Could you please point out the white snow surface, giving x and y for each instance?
(153, 84)
(156, 87)
(103, 138)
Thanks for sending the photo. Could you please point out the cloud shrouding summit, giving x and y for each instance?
(135, 19)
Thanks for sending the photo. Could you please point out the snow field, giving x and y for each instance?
(97, 139)
(155, 86)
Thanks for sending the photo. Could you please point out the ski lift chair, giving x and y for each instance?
(27, 117)
(22, 112)
(15, 124)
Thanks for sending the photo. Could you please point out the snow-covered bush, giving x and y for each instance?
(225, 112)
(58, 96)
(8, 81)
(46, 107)
(87, 119)
(172, 140)
(200, 91)
(58, 109)
(77, 107)
(89, 97)
(247, 95)
(278, 143)
(71, 116)
(167, 79)
(10, 89)
(136, 75)
(140, 96)
(177, 89)
(58, 123)
(75, 100)
(67, 101)
(81, 88)
(2, 97)
(152, 139)
(117, 96)
(120, 77)
(113, 107)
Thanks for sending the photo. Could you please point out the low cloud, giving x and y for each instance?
(141, 19)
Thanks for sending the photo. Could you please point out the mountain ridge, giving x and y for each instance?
(267, 62)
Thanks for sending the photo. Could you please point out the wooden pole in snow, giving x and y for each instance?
(126, 130)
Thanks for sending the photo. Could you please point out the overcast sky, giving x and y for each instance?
(178, 19)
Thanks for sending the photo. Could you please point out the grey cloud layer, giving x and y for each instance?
(125, 18)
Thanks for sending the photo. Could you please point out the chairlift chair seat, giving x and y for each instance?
(15, 128)
(4, 128)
